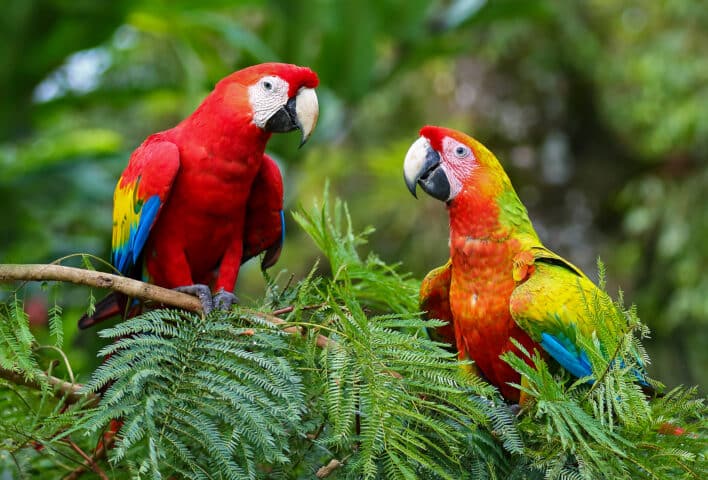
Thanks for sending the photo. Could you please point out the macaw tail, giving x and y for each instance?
(111, 305)
(650, 391)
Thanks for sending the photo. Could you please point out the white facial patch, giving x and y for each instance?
(266, 96)
(458, 163)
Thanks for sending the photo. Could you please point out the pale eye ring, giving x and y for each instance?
(267, 85)
(461, 151)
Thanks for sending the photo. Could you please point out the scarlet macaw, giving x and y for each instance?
(199, 199)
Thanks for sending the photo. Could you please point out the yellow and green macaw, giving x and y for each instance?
(500, 283)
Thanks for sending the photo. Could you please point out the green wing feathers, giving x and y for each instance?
(553, 301)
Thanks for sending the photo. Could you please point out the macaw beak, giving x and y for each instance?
(300, 112)
(422, 167)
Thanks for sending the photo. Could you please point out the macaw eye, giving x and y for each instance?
(461, 152)
(267, 85)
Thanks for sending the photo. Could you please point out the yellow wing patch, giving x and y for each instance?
(125, 215)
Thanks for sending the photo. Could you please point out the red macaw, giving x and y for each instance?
(500, 282)
(199, 199)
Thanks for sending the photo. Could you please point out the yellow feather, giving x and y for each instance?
(124, 214)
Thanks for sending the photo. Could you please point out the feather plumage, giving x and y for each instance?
(503, 283)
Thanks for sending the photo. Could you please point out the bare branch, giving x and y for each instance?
(61, 387)
(128, 286)
(88, 461)
(104, 444)
(92, 278)
(326, 470)
(322, 341)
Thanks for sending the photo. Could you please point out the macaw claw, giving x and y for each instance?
(202, 292)
(223, 300)
(516, 409)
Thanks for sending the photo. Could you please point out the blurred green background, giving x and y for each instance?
(597, 108)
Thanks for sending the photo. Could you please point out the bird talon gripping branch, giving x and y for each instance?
(224, 300)
(202, 292)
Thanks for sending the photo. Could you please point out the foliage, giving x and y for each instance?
(31, 417)
(587, 103)
(190, 388)
(594, 107)
(375, 283)
(232, 395)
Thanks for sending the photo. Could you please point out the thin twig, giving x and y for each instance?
(322, 341)
(64, 357)
(88, 461)
(325, 471)
(105, 443)
(283, 310)
(291, 308)
(61, 387)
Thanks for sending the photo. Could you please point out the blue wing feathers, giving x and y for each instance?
(574, 360)
(147, 217)
(567, 354)
(120, 259)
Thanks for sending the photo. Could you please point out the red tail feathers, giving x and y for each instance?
(667, 428)
(112, 305)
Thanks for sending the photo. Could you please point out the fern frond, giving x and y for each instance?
(177, 379)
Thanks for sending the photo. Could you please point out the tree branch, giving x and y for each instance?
(128, 286)
(92, 278)
(89, 462)
(61, 387)
(325, 471)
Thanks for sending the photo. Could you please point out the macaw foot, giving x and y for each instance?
(223, 300)
(516, 409)
(202, 292)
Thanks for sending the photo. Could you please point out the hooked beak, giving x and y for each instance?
(300, 113)
(422, 167)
